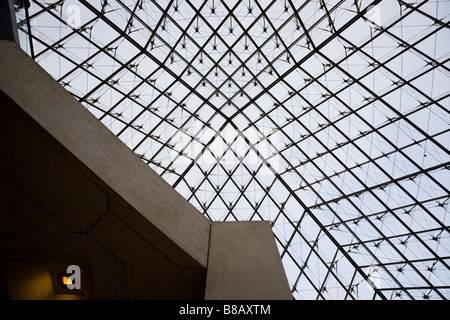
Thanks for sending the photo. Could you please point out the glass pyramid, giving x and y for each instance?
(330, 119)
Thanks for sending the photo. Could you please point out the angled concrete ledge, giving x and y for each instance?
(135, 192)
(73, 193)
(244, 263)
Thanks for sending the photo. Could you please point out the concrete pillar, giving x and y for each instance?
(8, 24)
(244, 263)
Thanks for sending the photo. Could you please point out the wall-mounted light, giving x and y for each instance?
(66, 279)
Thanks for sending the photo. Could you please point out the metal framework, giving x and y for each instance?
(328, 118)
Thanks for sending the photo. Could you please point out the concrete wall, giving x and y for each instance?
(244, 263)
(135, 191)
(71, 191)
